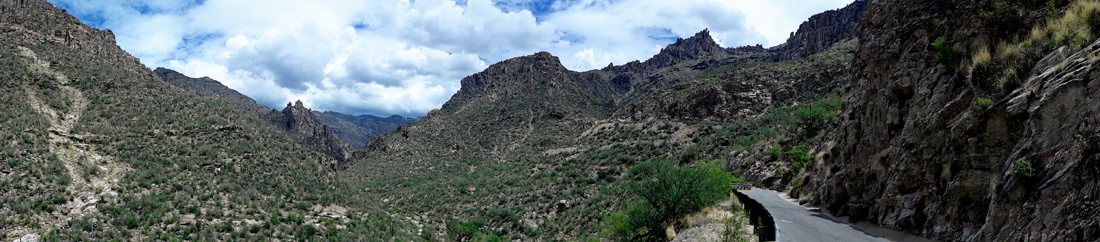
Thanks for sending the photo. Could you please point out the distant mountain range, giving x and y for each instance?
(357, 130)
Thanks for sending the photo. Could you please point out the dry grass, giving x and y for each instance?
(1073, 30)
(706, 216)
(981, 58)
(1008, 51)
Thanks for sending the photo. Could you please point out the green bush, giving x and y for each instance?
(981, 103)
(944, 53)
(799, 158)
(464, 231)
(1004, 19)
(664, 193)
(1023, 168)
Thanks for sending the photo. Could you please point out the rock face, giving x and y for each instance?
(756, 88)
(677, 62)
(503, 108)
(31, 23)
(822, 31)
(699, 46)
(308, 128)
(916, 152)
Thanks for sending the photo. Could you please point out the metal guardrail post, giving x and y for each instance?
(759, 216)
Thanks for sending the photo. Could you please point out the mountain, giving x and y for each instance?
(207, 87)
(302, 123)
(98, 147)
(954, 120)
(822, 30)
(357, 130)
(531, 150)
(308, 129)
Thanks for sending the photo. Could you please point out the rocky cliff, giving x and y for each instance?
(821, 31)
(930, 143)
(525, 95)
(310, 131)
(679, 61)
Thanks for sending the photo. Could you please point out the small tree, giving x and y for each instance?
(664, 193)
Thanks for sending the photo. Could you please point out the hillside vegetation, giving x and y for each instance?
(97, 147)
(958, 120)
(528, 150)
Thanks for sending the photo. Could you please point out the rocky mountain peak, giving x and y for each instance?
(698, 46)
(701, 42)
(301, 122)
(823, 30)
(507, 78)
(298, 116)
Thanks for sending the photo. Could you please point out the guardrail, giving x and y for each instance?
(762, 221)
(742, 186)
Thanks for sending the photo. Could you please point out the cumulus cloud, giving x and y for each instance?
(776, 20)
(401, 56)
(622, 31)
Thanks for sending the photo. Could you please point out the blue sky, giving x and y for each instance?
(406, 57)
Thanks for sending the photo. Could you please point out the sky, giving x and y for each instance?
(406, 57)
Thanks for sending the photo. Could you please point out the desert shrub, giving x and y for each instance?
(1003, 18)
(799, 158)
(981, 103)
(1023, 168)
(664, 193)
(945, 54)
(464, 231)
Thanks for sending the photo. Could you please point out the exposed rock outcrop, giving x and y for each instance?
(822, 31)
(699, 46)
(308, 128)
(916, 150)
(746, 92)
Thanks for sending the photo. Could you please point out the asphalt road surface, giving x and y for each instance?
(797, 223)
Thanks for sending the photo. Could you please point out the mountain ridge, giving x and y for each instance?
(526, 117)
(99, 147)
(311, 128)
(958, 120)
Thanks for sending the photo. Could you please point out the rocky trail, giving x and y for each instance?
(93, 175)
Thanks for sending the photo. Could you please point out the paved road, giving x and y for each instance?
(796, 223)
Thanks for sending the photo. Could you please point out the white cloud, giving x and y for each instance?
(776, 20)
(406, 57)
(623, 31)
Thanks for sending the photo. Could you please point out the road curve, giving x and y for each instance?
(797, 223)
